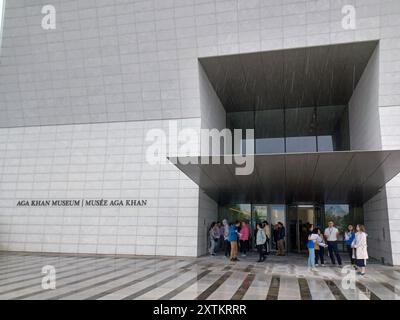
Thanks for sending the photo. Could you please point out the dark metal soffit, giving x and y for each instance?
(311, 76)
(351, 177)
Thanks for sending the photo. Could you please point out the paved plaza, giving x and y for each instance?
(164, 278)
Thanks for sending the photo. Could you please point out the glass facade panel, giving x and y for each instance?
(235, 212)
(333, 128)
(273, 213)
(269, 131)
(300, 127)
(343, 215)
(278, 214)
(260, 213)
(340, 215)
(240, 120)
(301, 144)
(295, 218)
(305, 129)
(325, 143)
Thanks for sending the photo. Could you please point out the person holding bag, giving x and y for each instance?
(312, 239)
(319, 250)
(260, 242)
(267, 231)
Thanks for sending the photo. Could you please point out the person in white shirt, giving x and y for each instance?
(360, 252)
(331, 234)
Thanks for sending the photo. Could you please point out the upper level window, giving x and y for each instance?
(304, 129)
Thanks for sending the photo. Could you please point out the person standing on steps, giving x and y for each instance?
(233, 239)
(267, 231)
(260, 242)
(313, 239)
(320, 250)
(360, 249)
(276, 236)
(244, 238)
(227, 244)
(213, 237)
(221, 229)
(331, 234)
(281, 233)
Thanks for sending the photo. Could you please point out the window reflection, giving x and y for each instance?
(332, 131)
(325, 143)
(343, 215)
(254, 213)
(304, 129)
(269, 131)
(240, 120)
(300, 125)
(301, 144)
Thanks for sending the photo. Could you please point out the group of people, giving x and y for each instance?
(355, 240)
(235, 237)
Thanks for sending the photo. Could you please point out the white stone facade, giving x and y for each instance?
(74, 100)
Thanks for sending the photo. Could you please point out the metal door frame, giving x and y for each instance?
(314, 206)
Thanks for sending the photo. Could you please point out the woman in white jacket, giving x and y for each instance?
(359, 246)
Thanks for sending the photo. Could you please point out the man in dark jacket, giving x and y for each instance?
(281, 233)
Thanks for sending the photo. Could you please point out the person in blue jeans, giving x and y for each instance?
(313, 238)
(311, 249)
(233, 239)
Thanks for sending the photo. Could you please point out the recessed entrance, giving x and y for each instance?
(299, 219)
(255, 213)
(296, 218)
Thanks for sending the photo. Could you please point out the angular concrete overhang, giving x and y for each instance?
(289, 78)
(351, 177)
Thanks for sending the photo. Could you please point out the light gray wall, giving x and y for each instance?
(390, 128)
(364, 126)
(377, 223)
(119, 60)
(208, 213)
(96, 161)
(107, 60)
(389, 112)
(365, 134)
(213, 114)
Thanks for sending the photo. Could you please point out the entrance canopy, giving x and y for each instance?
(351, 177)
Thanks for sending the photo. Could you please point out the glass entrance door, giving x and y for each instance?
(299, 219)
